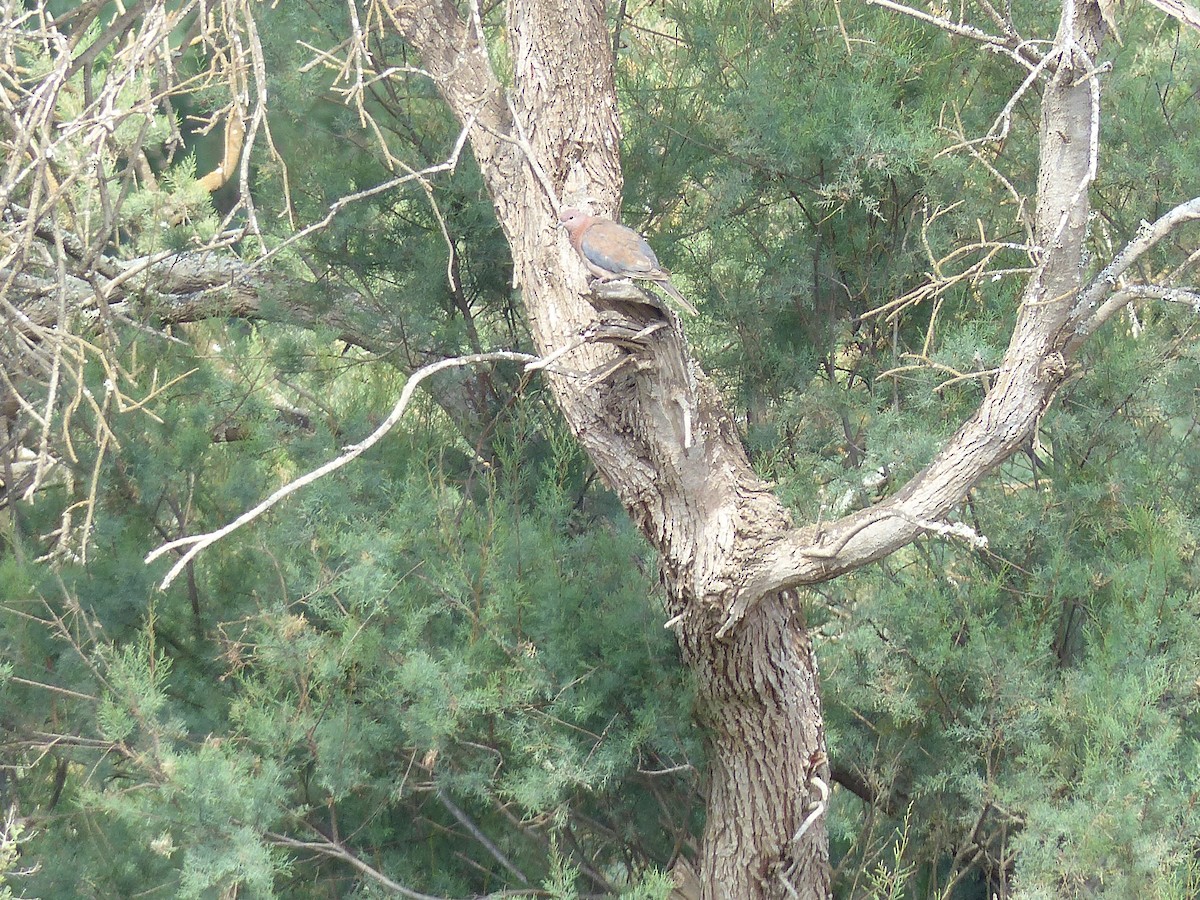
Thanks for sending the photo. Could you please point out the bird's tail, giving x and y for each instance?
(673, 291)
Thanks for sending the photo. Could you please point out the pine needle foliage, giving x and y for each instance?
(444, 668)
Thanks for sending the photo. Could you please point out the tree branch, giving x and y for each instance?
(1092, 310)
(197, 543)
(477, 833)
(336, 850)
(1031, 370)
(1011, 46)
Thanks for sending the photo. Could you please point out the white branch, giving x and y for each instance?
(1179, 10)
(1148, 235)
(992, 41)
(817, 808)
(447, 165)
(199, 542)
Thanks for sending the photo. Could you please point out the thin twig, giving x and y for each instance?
(337, 851)
(477, 833)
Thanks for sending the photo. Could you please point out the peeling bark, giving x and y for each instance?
(655, 426)
(659, 435)
(657, 431)
(760, 703)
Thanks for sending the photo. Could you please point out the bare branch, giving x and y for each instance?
(447, 165)
(477, 833)
(197, 543)
(1180, 11)
(1092, 309)
(1010, 46)
(337, 850)
(1033, 365)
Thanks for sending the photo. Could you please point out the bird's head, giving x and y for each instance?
(572, 219)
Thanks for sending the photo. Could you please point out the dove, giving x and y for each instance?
(612, 251)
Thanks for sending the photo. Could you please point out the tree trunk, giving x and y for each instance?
(760, 705)
(660, 437)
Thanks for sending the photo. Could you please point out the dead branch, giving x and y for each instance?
(197, 543)
(1105, 295)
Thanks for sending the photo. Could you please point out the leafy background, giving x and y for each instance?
(448, 658)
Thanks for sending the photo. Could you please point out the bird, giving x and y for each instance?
(613, 251)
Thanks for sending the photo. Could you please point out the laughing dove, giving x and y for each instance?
(613, 251)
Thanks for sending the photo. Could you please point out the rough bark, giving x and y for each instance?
(655, 427)
(659, 435)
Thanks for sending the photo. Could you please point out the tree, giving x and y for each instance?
(730, 553)
(653, 425)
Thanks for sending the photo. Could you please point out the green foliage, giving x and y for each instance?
(458, 635)
(447, 638)
(174, 214)
(889, 880)
(1042, 696)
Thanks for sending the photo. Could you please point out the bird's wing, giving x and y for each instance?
(617, 249)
